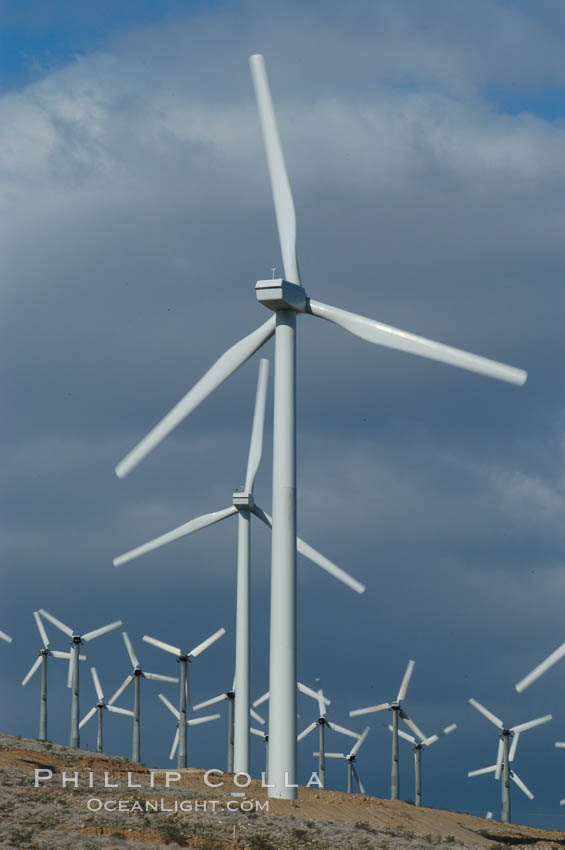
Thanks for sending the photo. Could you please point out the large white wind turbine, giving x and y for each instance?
(350, 758)
(184, 658)
(397, 710)
(194, 721)
(135, 676)
(286, 297)
(99, 707)
(244, 505)
(73, 679)
(41, 661)
(418, 746)
(505, 755)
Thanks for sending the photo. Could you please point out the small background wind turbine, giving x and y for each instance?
(418, 746)
(350, 759)
(135, 676)
(99, 708)
(397, 710)
(194, 721)
(73, 678)
(41, 661)
(184, 658)
(505, 755)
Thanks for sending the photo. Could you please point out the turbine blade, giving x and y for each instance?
(486, 713)
(448, 729)
(315, 556)
(35, 666)
(87, 717)
(256, 732)
(513, 746)
(380, 334)
(187, 528)
(404, 735)
(6, 637)
(357, 745)
(102, 631)
(541, 668)
(227, 364)
(56, 654)
(256, 444)
(174, 650)
(431, 740)
(359, 783)
(120, 690)
(41, 629)
(307, 731)
(175, 745)
(118, 710)
(256, 716)
(304, 689)
(170, 706)
(482, 770)
(514, 776)
(206, 643)
(159, 678)
(405, 681)
(370, 710)
(196, 720)
(97, 685)
(132, 656)
(342, 729)
(332, 755)
(560, 744)
(321, 703)
(282, 196)
(208, 702)
(411, 725)
(521, 727)
(66, 629)
(261, 699)
(499, 758)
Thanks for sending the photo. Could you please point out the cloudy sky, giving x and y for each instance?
(424, 144)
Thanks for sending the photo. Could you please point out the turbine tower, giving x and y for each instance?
(350, 759)
(73, 678)
(418, 746)
(135, 676)
(41, 661)
(265, 737)
(286, 297)
(194, 721)
(244, 506)
(397, 711)
(99, 707)
(184, 658)
(505, 755)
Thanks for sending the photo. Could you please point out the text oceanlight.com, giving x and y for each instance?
(95, 804)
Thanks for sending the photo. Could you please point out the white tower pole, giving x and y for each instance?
(99, 740)
(75, 737)
(418, 775)
(394, 769)
(231, 761)
(505, 805)
(43, 703)
(322, 756)
(240, 733)
(182, 753)
(135, 739)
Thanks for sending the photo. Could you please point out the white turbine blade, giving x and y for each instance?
(227, 364)
(208, 702)
(35, 666)
(488, 714)
(68, 631)
(56, 654)
(321, 703)
(256, 732)
(206, 643)
(118, 710)
(404, 735)
(560, 744)
(132, 656)
(449, 729)
(431, 740)
(170, 706)
(41, 629)
(159, 678)
(370, 710)
(306, 731)
(97, 685)
(120, 690)
(261, 699)
(257, 717)
(359, 783)
(514, 776)
(357, 745)
(196, 720)
(405, 681)
(411, 725)
(332, 755)
(82, 657)
(256, 444)
(315, 556)
(174, 650)
(6, 637)
(513, 746)
(499, 758)
(87, 717)
(380, 334)
(541, 668)
(310, 692)
(102, 631)
(282, 196)
(175, 745)
(521, 727)
(186, 528)
(342, 729)
(70, 671)
(482, 770)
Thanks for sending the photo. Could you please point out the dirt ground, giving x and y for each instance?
(190, 813)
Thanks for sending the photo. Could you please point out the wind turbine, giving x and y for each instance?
(418, 746)
(184, 658)
(505, 755)
(286, 298)
(73, 678)
(244, 506)
(41, 661)
(321, 722)
(194, 721)
(397, 710)
(99, 707)
(230, 697)
(135, 676)
(350, 759)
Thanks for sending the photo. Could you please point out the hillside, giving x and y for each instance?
(191, 814)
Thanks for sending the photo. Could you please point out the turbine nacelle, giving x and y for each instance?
(243, 501)
(280, 294)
